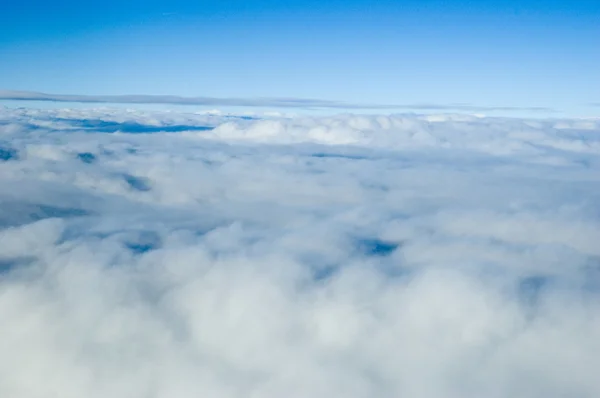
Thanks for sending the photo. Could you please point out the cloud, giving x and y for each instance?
(358, 256)
(252, 102)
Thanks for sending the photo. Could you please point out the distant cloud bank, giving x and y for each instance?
(254, 102)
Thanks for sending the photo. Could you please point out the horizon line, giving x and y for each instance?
(275, 102)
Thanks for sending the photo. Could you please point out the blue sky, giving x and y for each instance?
(486, 53)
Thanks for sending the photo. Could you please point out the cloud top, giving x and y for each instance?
(356, 256)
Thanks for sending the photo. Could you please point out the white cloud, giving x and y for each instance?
(358, 256)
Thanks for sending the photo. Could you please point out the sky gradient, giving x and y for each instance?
(489, 54)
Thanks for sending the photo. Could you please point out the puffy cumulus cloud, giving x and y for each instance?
(489, 135)
(387, 256)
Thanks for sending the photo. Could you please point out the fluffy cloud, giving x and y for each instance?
(358, 256)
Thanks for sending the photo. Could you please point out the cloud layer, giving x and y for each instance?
(356, 256)
(252, 102)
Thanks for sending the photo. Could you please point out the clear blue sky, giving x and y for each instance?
(503, 52)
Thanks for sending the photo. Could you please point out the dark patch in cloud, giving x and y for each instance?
(338, 156)
(47, 211)
(252, 102)
(106, 126)
(143, 242)
(14, 214)
(137, 183)
(532, 287)
(324, 273)
(8, 265)
(376, 247)
(8, 153)
(86, 157)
